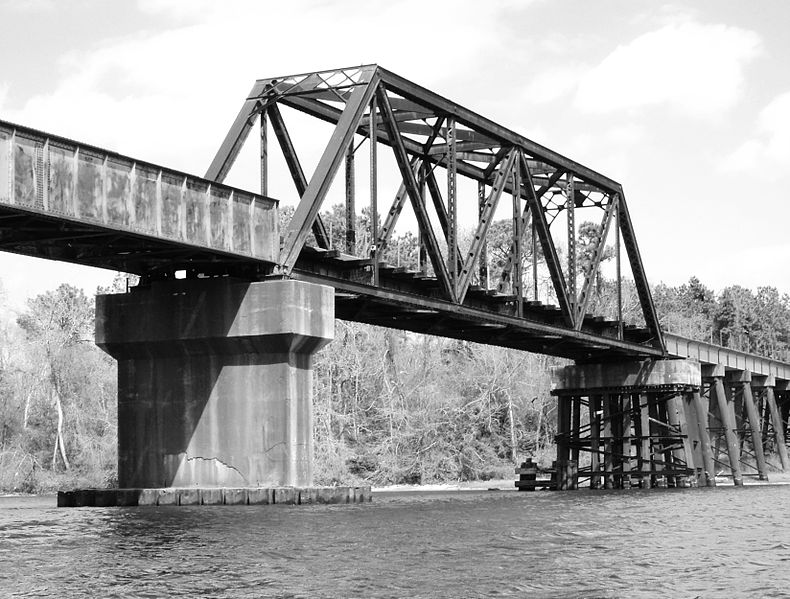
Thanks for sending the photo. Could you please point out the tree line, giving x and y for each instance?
(390, 406)
(751, 321)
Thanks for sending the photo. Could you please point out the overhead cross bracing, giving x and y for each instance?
(437, 145)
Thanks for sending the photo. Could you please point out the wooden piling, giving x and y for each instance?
(563, 428)
(727, 416)
(754, 426)
(608, 461)
(567, 475)
(645, 456)
(698, 478)
(708, 465)
(576, 406)
(778, 426)
(625, 440)
(682, 455)
(667, 443)
(595, 433)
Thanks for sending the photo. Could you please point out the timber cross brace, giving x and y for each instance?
(431, 137)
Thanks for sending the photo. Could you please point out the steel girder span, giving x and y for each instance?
(524, 272)
(518, 273)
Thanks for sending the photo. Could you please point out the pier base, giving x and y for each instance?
(192, 496)
(215, 381)
(621, 425)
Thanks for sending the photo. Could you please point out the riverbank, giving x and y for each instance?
(503, 484)
(506, 484)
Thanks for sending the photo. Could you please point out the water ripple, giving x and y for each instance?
(697, 543)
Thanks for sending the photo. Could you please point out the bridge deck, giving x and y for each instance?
(731, 359)
(63, 200)
(410, 300)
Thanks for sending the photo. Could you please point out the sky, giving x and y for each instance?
(686, 104)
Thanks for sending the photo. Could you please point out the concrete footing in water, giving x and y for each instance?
(212, 496)
(215, 381)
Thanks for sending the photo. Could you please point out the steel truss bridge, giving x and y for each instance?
(64, 200)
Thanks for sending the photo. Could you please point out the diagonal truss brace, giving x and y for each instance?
(400, 198)
(295, 168)
(547, 245)
(388, 226)
(237, 135)
(589, 277)
(240, 130)
(441, 212)
(333, 155)
(486, 215)
(526, 221)
(413, 189)
(638, 270)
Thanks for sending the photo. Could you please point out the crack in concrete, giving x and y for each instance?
(273, 446)
(228, 466)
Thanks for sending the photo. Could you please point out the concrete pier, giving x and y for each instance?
(215, 381)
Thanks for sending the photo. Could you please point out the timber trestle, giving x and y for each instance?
(633, 436)
(667, 423)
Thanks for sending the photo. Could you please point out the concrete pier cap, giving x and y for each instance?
(645, 373)
(215, 380)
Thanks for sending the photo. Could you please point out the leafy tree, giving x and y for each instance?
(771, 322)
(735, 317)
(687, 310)
(587, 241)
(71, 384)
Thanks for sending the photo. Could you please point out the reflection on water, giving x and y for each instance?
(724, 542)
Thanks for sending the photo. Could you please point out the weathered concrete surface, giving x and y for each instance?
(96, 187)
(215, 381)
(213, 496)
(627, 374)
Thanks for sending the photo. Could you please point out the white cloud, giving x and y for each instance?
(169, 97)
(769, 150)
(27, 6)
(3, 94)
(610, 151)
(194, 9)
(774, 124)
(696, 69)
(552, 84)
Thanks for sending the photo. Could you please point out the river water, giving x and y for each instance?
(724, 542)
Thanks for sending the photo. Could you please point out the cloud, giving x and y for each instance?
(169, 96)
(695, 69)
(769, 149)
(553, 84)
(3, 94)
(28, 6)
(774, 124)
(609, 151)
